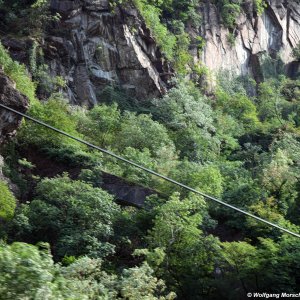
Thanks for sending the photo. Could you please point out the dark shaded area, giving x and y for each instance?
(125, 192)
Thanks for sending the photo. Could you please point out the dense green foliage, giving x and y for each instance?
(68, 239)
(71, 215)
(174, 44)
(25, 17)
(37, 277)
(240, 148)
(7, 202)
(18, 73)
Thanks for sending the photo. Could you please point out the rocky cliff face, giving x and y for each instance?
(93, 47)
(274, 33)
(9, 122)
(9, 96)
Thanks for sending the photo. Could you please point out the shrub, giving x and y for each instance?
(240, 107)
(19, 74)
(230, 13)
(174, 47)
(54, 112)
(260, 6)
(7, 202)
(165, 39)
(231, 39)
(71, 215)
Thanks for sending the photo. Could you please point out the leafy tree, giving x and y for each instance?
(101, 124)
(207, 178)
(185, 112)
(188, 257)
(279, 179)
(277, 105)
(270, 211)
(184, 104)
(139, 283)
(73, 216)
(240, 107)
(257, 268)
(140, 131)
(90, 279)
(291, 90)
(54, 112)
(239, 258)
(37, 277)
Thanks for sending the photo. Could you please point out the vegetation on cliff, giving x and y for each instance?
(68, 239)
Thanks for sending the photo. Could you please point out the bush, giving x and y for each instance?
(26, 17)
(71, 215)
(140, 131)
(7, 202)
(55, 112)
(230, 13)
(241, 108)
(29, 272)
(19, 74)
(26, 273)
(165, 39)
(174, 47)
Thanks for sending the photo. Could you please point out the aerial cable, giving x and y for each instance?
(118, 157)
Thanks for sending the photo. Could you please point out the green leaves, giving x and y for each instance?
(260, 6)
(165, 39)
(26, 273)
(19, 74)
(73, 216)
(54, 112)
(230, 13)
(174, 47)
(240, 107)
(140, 283)
(181, 252)
(7, 202)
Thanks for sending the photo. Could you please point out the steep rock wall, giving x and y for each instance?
(274, 33)
(9, 122)
(9, 96)
(93, 47)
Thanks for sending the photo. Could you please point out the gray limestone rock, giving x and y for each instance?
(9, 96)
(93, 47)
(274, 33)
(9, 122)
